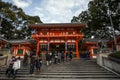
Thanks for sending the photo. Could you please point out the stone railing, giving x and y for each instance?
(103, 50)
(3, 60)
(112, 64)
(5, 56)
(103, 60)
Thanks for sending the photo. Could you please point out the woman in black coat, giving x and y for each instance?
(70, 56)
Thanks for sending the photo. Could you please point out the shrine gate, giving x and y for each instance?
(57, 37)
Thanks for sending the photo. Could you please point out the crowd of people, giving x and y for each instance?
(57, 57)
(35, 62)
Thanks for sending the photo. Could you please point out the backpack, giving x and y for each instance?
(11, 66)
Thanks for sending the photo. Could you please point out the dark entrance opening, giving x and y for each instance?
(57, 47)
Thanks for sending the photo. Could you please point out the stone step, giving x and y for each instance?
(25, 70)
(65, 70)
(49, 73)
(72, 70)
(65, 73)
(69, 71)
(30, 78)
(66, 76)
(76, 73)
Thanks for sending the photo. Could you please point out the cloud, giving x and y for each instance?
(22, 3)
(60, 11)
(50, 11)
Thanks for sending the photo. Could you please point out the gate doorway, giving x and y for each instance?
(57, 47)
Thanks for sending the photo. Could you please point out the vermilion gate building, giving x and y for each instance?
(58, 36)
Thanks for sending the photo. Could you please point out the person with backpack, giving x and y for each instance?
(10, 70)
(16, 66)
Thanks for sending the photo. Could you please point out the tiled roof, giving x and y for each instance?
(22, 41)
(95, 40)
(57, 25)
(3, 39)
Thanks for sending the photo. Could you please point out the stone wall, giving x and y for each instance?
(113, 65)
(6, 56)
(3, 60)
(103, 60)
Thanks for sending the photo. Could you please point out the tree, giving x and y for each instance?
(14, 22)
(97, 18)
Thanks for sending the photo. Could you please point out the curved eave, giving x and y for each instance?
(87, 44)
(3, 40)
(14, 42)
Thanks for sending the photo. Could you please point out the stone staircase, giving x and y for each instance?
(72, 70)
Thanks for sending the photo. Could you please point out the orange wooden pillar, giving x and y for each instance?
(77, 52)
(65, 47)
(91, 52)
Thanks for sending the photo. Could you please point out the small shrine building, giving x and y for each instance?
(22, 47)
(89, 47)
(111, 44)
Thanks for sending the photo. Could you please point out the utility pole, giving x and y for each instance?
(113, 30)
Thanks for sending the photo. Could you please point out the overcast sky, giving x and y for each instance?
(52, 11)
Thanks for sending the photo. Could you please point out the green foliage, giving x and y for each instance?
(97, 18)
(115, 55)
(14, 21)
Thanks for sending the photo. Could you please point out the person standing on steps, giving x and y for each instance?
(10, 70)
(67, 55)
(25, 60)
(59, 57)
(55, 57)
(50, 57)
(47, 58)
(70, 56)
(38, 64)
(16, 66)
(32, 63)
(62, 56)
